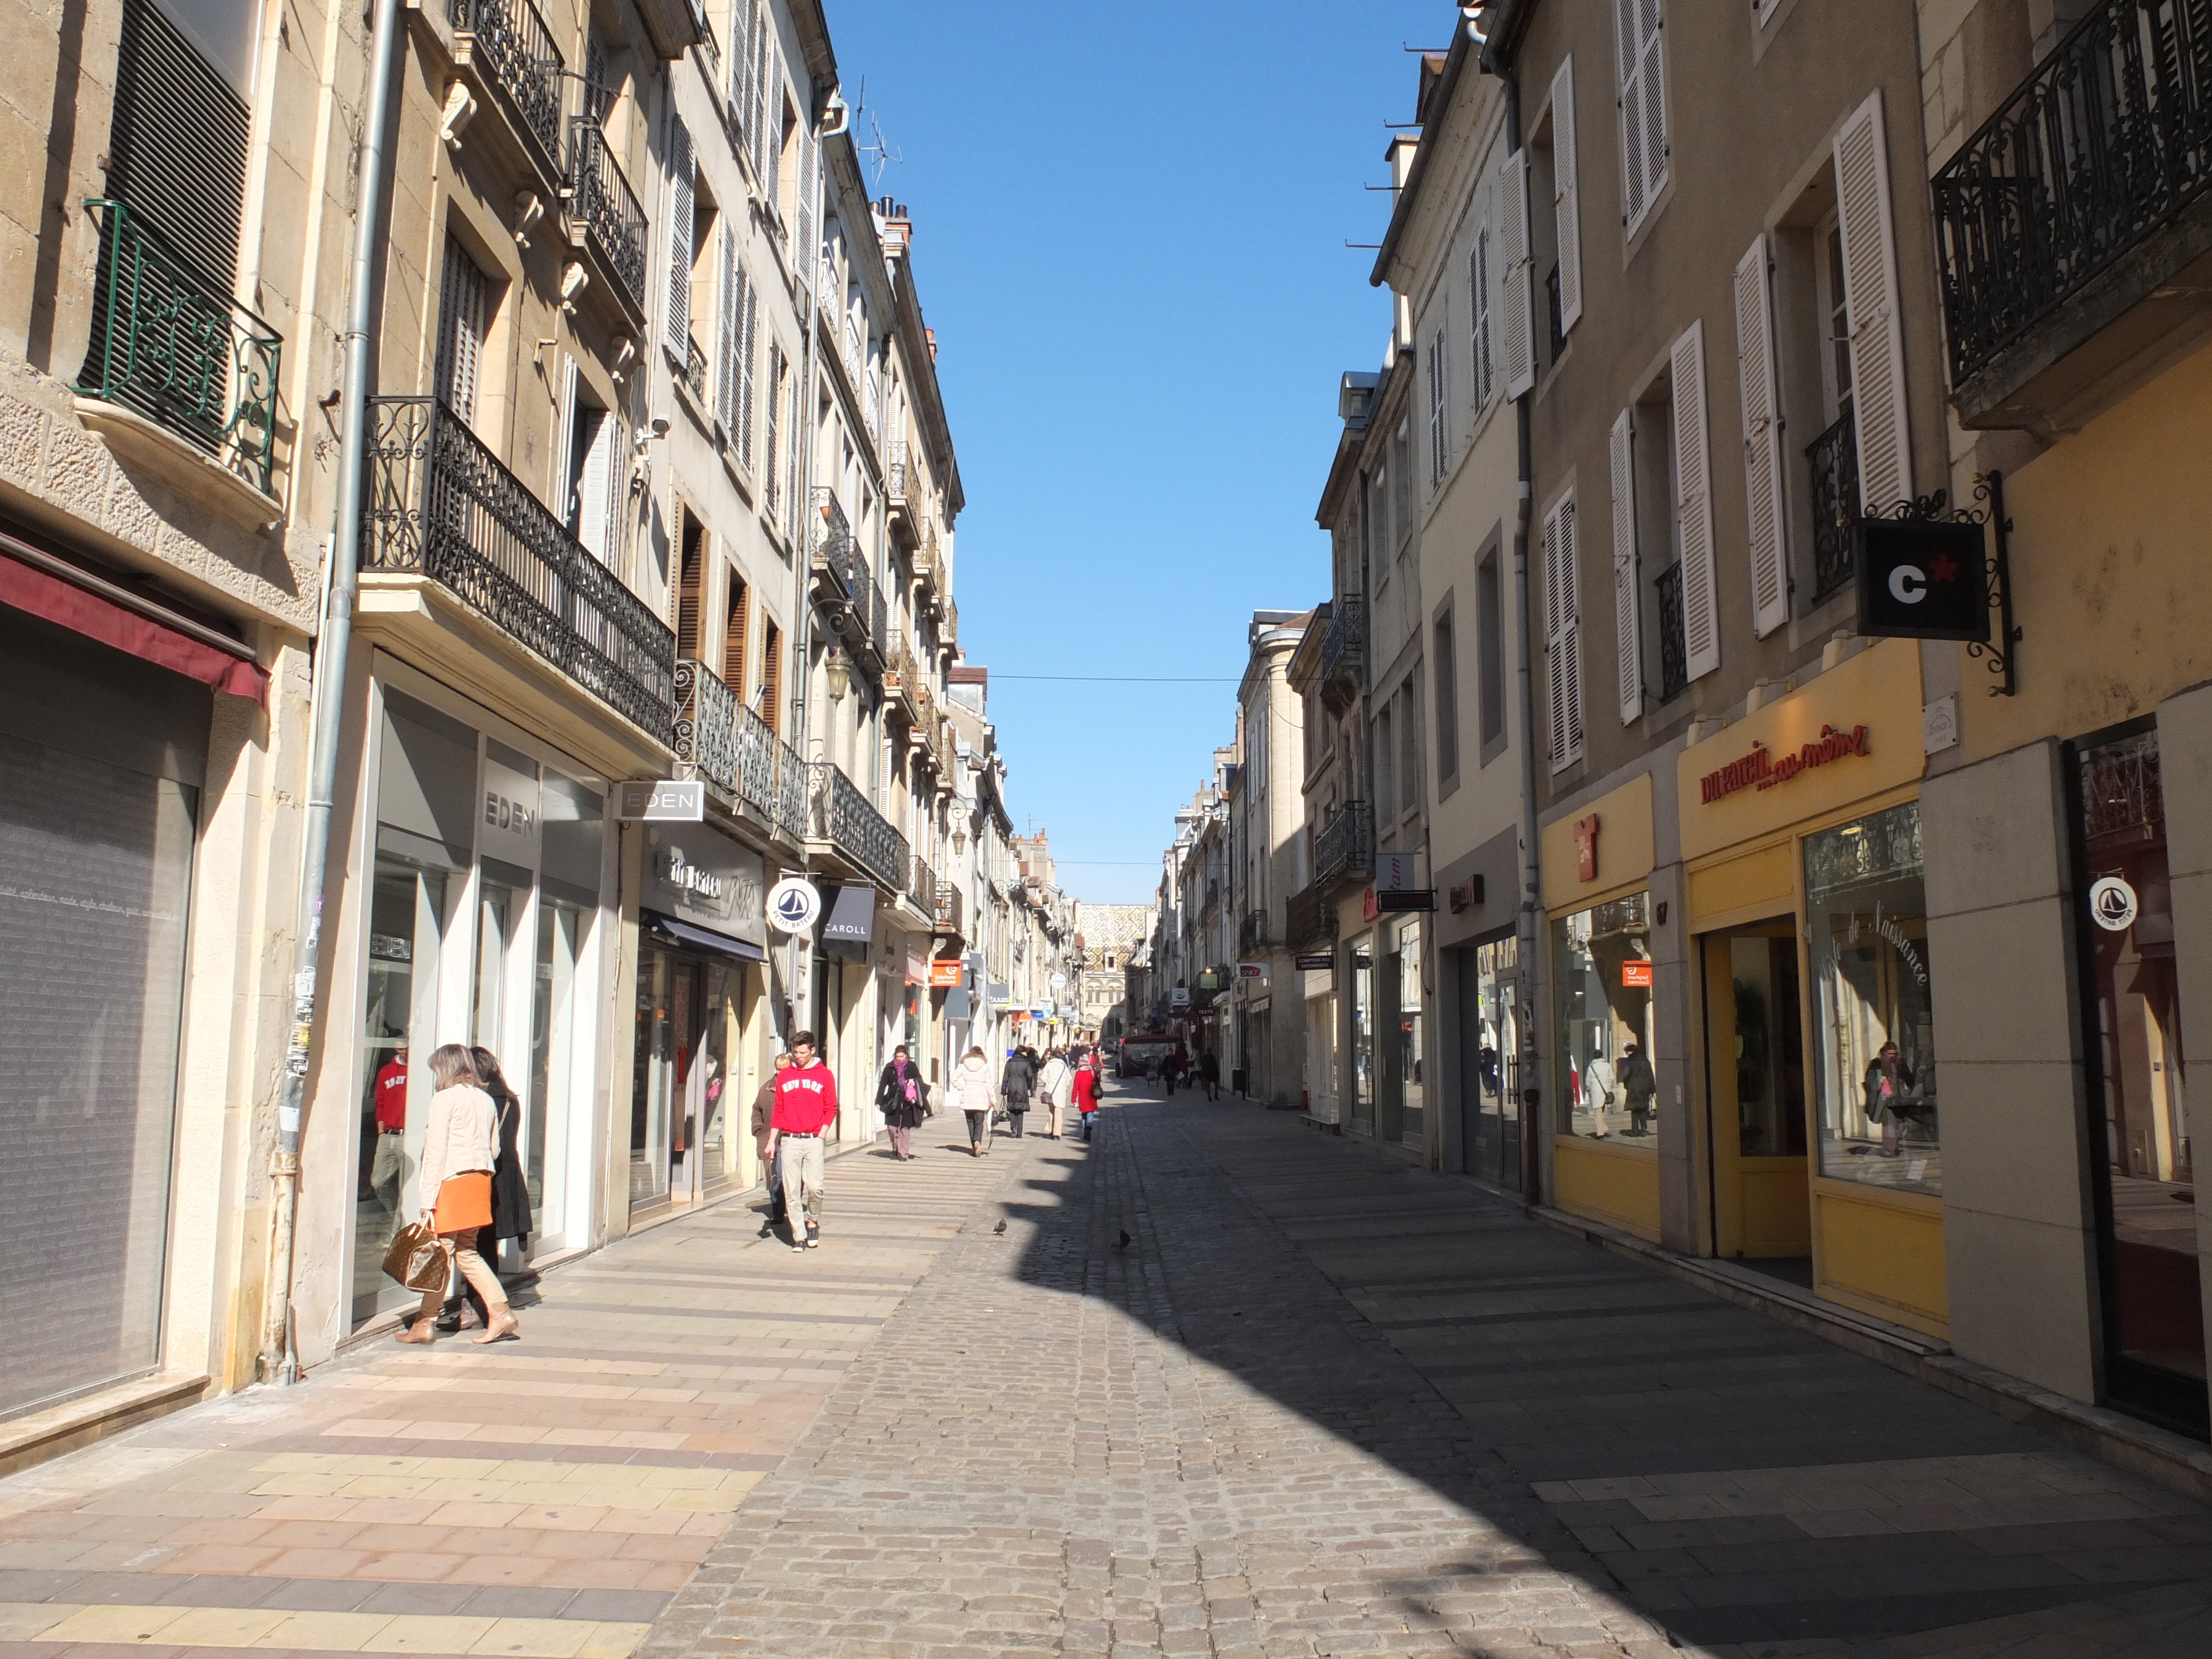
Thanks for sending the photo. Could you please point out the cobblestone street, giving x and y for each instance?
(1321, 1404)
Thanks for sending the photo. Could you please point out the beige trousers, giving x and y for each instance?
(474, 1269)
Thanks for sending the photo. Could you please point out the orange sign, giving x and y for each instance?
(943, 974)
(1636, 975)
(1586, 848)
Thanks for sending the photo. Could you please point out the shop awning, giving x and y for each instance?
(56, 590)
(850, 928)
(702, 938)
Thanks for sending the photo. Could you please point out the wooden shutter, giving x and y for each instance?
(691, 581)
(748, 332)
(461, 330)
(595, 488)
(1643, 108)
(735, 629)
(679, 243)
(1627, 629)
(1870, 252)
(771, 686)
(1701, 630)
(726, 351)
(1566, 196)
(1563, 644)
(1478, 283)
(806, 255)
(1513, 249)
(1762, 440)
(1438, 433)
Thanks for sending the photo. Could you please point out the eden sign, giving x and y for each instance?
(1762, 769)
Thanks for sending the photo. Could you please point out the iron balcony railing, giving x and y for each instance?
(695, 376)
(1252, 933)
(1308, 915)
(895, 471)
(950, 912)
(524, 63)
(172, 345)
(838, 813)
(930, 566)
(1674, 642)
(607, 206)
(2105, 143)
(922, 887)
(838, 557)
(1835, 460)
(1344, 849)
(734, 750)
(439, 503)
(1346, 638)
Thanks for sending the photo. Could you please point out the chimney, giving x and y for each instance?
(931, 333)
(894, 227)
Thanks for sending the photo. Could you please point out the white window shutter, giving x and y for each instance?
(1701, 626)
(564, 460)
(1651, 73)
(1636, 35)
(748, 342)
(1563, 644)
(1566, 196)
(1762, 441)
(725, 337)
(1869, 249)
(1627, 631)
(595, 489)
(1513, 249)
(679, 243)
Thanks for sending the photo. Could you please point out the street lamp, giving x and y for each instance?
(840, 670)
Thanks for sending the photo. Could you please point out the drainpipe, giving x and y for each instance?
(279, 1362)
(1532, 902)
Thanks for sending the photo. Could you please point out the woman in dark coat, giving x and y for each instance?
(510, 1193)
(1016, 1084)
(903, 1099)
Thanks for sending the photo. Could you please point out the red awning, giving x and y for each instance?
(74, 603)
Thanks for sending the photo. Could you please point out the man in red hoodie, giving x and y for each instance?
(805, 1105)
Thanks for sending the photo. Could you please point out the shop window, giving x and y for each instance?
(1873, 1030)
(1493, 1140)
(1601, 960)
(1404, 965)
(1362, 1041)
(408, 914)
(2147, 1207)
(552, 1062)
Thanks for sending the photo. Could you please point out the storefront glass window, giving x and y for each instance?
(1407, 1063)
(1494, 1145)
(1601, 960)
(662, 1012)
(706, 1082)
(496, 913)
(1322, 1054)
(1874, 1034)
(552, 1063)
(407, 921)
(2153, 1313)
(1362, 1041)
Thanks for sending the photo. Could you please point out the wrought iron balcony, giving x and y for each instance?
(856, 603)
(521, 61)
(1309, 915)
(839, 815)
(951, 912)
(439, 503)
(171, 345)
(922, 887)
(695, 376)
(929, 567)
(736, 752)
(895, 472)
(1343, 649)
(1835, 460)
(904, 689)
(1344, 848)
(2103, 145)
(1674, 642)
(1252, 933)
(607, 207)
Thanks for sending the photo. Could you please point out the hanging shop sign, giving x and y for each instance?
(1586, 848)
(1179, 996)
(944, 975)
(1320, 962)
(793, 904)
(1923, 579)
(2114, 903)
(1401, 902)
(1251, 970)
(661, 800)
(699, 875)
(851, 925)
(1635, 974)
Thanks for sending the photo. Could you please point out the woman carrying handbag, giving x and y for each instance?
(902, 1098)
(460, 1152)
(510, 1193)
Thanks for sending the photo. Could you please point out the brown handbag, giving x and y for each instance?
(416, 1259)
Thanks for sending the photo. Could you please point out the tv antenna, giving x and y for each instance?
(879, 153)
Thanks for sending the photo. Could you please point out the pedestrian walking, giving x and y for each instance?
(764, 1146)
(1053, 1090)
(1637, 1082)
(453, 1177)
(902, 1097)
(1209, 1073)
(1889, 1084)
(1084, 1088)
(971, 1088)
(1017, 1082)
(510, 1193)
(1171, 1068)
(806, 1104)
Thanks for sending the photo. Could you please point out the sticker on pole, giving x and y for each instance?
(2114, 903)
(793, 905)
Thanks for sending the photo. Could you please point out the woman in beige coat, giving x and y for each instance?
(460, 1145)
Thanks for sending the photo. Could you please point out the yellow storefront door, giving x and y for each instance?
(1755, 1062)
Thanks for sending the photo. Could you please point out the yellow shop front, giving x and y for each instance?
(1814, 1067)
(1606, 1127)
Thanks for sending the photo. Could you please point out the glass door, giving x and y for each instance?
(2146, 1189)
(653, 1080)
(1755, 1070)
(1493, 1022)
(553, 1047)
(406, 929)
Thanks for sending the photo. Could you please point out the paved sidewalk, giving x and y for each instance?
(542, 1497)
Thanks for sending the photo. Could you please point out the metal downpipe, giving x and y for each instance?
(279, 1362)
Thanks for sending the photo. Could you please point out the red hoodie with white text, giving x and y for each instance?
(805, 1100)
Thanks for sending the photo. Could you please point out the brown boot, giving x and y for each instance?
(424, 1329)
(503, 1324)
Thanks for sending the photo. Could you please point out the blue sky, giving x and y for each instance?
(1129, 230)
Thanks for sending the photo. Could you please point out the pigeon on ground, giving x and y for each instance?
(1124, 1243)
(1000, 1228)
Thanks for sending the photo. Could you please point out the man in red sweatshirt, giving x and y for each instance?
(805, 1105)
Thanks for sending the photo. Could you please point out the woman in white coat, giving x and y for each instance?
(460, 1150)
(1055, 1087)
(971, 1087)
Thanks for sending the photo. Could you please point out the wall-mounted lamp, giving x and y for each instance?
(839, 669)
